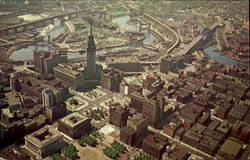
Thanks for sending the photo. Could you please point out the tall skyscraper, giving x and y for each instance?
(91, 55)
(78, 78)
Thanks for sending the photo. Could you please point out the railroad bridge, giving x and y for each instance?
(39, 23)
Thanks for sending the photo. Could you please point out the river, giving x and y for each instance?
(213, 54)
(27, 53)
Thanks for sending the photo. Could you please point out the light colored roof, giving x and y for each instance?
(6, 111)
(43, 136)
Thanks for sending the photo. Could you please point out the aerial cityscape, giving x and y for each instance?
(124, 80)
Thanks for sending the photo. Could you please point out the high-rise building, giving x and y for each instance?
(172, 64)
(91, 55)
(52, 61)
(82, 77)
(111, 79)
(153, 108)
(118, 115)
(48, 98)
(135, 131)
(39, 57)
(44, 61)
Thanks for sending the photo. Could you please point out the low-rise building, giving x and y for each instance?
(44, 142)
(75, 125)
(125, 64)
(183, 96)
(229, 150)
(171, 127)
(13, 152)
(154, 146)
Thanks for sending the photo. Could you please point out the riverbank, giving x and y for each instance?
(46, 30)
(216, 56)
(227, 54)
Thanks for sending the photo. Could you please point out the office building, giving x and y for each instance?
(135, 131)
(81, 76)
(48, 98)
(75, 125)
(154, 145)
(118, 115)
(45, 61)
(110, 80)
(44, 142)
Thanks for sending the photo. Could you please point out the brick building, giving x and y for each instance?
(227, 151)
(171, 127)
(154, 146)
(118, 115)
(110, 80)
(135, 131)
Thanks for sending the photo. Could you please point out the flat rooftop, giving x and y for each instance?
(137, 119)
(74, 119)
(43, 136)
(155, 141)
(12, 98)
(228, 149)
(122, 60)
(70, 70)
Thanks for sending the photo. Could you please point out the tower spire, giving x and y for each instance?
(90, 30)
(91, 54)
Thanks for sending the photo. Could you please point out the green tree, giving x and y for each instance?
(118, 146)
(110, 152)
(143, 156)
(87, 140)
(70, 152)
(58, 156)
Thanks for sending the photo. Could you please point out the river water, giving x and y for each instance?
(27, 53)
(123, 22)
(213, 54)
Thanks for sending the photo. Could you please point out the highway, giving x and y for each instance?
(177, 38)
